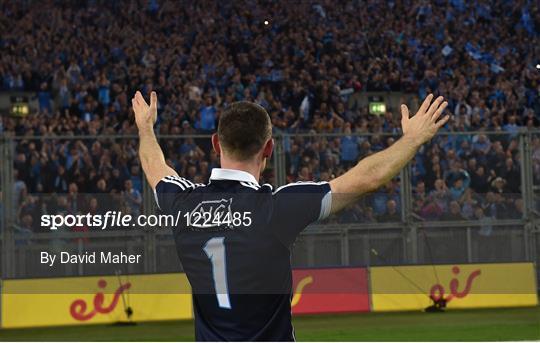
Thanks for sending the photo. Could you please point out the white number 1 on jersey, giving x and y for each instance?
(215, 250)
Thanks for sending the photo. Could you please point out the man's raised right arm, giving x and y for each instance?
(152, 159)
(374, 171)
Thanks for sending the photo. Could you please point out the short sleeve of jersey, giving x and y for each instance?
(171, 190)
(297, 205)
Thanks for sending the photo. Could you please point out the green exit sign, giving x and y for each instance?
(377, 108)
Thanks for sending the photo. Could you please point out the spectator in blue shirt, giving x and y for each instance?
(208, 115)
(511, 127)
(459, 185)
(132, 197)
(44, 99)
(104, 92)
(481, 143)
(349, 148)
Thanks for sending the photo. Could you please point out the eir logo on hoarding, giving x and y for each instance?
(78, 308)
(437, 291)
(300, 289)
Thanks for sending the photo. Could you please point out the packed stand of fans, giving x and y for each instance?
(308, 66)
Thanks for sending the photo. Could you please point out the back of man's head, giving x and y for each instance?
(243, 129)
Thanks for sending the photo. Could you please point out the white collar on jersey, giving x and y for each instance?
(232, 174)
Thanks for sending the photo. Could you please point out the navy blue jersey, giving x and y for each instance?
(234, 240)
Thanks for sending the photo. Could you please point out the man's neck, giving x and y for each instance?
(250, 167)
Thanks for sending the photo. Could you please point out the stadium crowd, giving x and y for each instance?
(307, 65)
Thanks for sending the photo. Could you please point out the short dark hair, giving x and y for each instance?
(243, 129)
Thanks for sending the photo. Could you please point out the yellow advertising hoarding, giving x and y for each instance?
(461, 285)
(92, 300)
(104, 299)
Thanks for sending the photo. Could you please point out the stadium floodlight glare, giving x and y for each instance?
(19, 106)
(20, 110)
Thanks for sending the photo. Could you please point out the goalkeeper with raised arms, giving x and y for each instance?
(235, 238)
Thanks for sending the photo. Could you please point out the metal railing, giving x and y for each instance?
(412, 237)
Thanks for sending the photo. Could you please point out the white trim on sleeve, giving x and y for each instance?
(299, 183)
(181, 185)
(156, 198)
(326, 205)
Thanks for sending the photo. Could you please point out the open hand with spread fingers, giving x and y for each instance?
(145, 116)
(426, 122)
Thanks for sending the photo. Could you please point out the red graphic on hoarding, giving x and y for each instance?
(330, 290)
(78, 307)
(437, 291)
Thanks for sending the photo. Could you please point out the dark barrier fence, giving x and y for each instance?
(470, 197)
